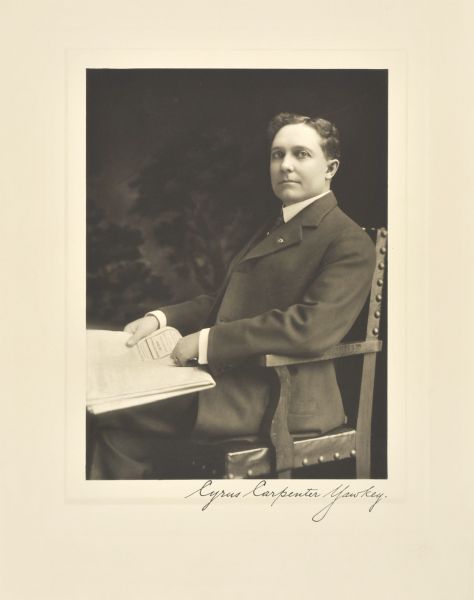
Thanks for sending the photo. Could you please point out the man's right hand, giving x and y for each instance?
(141, 328)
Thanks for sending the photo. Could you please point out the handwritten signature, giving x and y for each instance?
(263, 490)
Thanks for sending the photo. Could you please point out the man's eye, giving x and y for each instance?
(302, 154)
(277, 154)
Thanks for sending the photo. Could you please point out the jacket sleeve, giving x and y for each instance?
(325, 314)
(189, 316)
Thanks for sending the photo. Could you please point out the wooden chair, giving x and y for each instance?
(278, 452)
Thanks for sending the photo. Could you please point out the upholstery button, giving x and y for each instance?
(383, 233)
(381, 265)
(321, 459)
(280, 241)
(378, 297)
(377, 314)
(337, 456)
(305, 461)
(383, 250)
(375, 331)
(379, 282)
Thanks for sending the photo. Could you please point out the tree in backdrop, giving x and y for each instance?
(205, 192)
(120, 283)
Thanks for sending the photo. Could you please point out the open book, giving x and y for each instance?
(121, 377)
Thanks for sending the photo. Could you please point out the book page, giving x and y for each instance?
(104, 344)
(117, 373)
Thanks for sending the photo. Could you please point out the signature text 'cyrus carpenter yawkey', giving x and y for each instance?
(329, 498)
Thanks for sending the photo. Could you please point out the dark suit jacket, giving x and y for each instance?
(296, 292)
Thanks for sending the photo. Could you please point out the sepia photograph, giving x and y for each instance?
(236, 254)
(234, 299)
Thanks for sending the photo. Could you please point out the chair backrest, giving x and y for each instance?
(365, 410)
(366, 344)
(371, 317)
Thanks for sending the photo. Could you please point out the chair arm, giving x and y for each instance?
(339, 351)
(275, 421)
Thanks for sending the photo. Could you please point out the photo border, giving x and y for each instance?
(173, 492)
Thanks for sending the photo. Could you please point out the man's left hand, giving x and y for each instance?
(186, 349)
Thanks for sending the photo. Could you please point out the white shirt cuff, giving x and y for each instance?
(159, 316)
(203, 342)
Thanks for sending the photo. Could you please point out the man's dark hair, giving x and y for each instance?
(328, 132)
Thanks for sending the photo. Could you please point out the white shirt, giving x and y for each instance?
(289, 212)
(292, 210)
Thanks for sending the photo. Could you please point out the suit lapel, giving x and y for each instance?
(235, 261)
(291, 233)
(287, 234)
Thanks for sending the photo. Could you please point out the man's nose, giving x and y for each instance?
(287, 163)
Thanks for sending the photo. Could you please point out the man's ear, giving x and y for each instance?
(332, 167)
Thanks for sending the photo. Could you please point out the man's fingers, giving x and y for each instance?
(187, 349)
(175, 354)
(132, 341)
(131, 327)
(140, 329)
(140, 332)
(176, 360)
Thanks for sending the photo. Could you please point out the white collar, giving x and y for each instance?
(292, 210)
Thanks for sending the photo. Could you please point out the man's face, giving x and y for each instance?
(298, 168)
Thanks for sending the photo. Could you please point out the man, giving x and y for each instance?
(295, 289)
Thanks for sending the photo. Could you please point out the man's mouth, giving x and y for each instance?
(285, 181)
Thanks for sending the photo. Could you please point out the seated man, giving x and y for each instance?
(295, 289)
